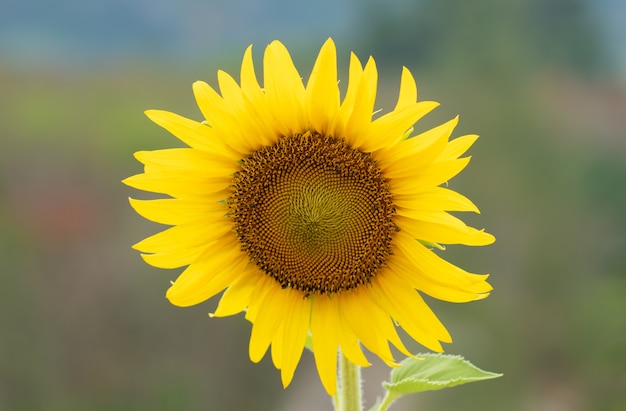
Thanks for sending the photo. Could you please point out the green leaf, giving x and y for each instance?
(433, 372)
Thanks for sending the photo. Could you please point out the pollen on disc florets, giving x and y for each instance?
(313, 213)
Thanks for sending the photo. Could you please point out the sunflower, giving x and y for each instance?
(309, 215)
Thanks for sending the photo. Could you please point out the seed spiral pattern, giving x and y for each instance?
(313, 213)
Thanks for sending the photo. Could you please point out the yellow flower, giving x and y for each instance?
(313, 217)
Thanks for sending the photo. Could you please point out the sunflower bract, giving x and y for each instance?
(308, 214)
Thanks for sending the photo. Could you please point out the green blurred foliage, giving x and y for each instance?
(84, 322)
(492, 37)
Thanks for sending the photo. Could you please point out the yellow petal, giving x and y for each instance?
(355, 74)
(387, 326)
(367, 321)
(325, 335)
(262, 285)
(229, 125)
(409, 157)
(435, 174)
(296, 322)
(348, 341)
(436, 199)
(284, 89)
(189, 235)
(207, 276)
(256, 105)
(435, 269)
(174, 258)
(350, 346)
(239, 294)
(441, 227)
(458, 147)
(268, 318)
(339, 124)
(188, 131)
(174, 211)
(358, 125)
(410, 311)
(249, 84)
(408, 90)
(391, 127)
(322, 92)
(210, 103)
(253, 115)
(187, 159)
(182, 185)
(230, 91)
(431, 286)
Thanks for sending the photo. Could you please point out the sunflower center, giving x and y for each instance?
(313, 213)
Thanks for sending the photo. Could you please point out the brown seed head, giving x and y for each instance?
(313, 213)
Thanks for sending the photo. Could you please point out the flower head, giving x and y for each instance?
(308, 214)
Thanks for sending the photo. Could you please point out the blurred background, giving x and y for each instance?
(84, 324)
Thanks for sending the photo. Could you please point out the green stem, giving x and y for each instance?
(387, 400)
(348, 397)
